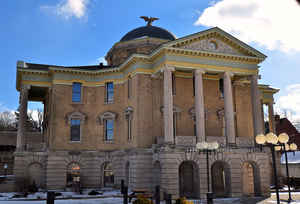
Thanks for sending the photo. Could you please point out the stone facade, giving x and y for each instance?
(170, 98)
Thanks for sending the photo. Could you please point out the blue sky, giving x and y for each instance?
(80, 32)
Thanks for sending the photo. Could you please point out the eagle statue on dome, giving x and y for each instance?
(149, 20)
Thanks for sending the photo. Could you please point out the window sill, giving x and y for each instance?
(108, 102)
(74, 142)
(78, 103)
(108, 141)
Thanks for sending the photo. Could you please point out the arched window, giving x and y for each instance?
(73, 173)
(107, 119)
(76, 120)
(108, 175)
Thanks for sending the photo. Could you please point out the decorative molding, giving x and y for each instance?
(107, 116)
(128, 113)
(76, 115)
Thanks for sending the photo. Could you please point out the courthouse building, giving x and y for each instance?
(137, 117)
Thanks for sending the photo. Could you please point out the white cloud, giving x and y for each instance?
(270, 23)
(69, 8)
(98, 61)
(289, 104)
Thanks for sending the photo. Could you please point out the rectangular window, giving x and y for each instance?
(75, 130)
(174, 125)
(109, 92)
(173, 84)
(129, 129)
(129, 87)
(76, 92)
(109, 130)
(194, 92)
(221, 87)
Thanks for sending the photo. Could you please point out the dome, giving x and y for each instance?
(148, 31)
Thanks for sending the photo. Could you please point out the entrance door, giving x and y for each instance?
(108, 175)
(220, 180)
(188, 180)
(248, 179)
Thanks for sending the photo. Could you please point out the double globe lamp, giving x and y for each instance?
(271, 138)
(279, 143)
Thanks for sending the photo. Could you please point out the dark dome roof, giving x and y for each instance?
(148, 31)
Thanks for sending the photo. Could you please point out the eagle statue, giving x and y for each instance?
(149, 20)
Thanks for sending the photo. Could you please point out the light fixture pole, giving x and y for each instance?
(285, 147)
(276, 143)
(271, 139)
(207, 148)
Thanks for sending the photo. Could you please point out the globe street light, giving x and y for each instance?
(285, 147)
(207, 148)
(271, 140)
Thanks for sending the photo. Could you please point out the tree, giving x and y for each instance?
(34, 120)
(7, 120)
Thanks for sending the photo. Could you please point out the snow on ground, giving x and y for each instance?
(80, 201)
(112, 197)
(65, 195)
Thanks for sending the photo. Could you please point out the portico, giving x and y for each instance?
(229, 112)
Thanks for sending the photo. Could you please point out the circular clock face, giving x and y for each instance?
(212, 45)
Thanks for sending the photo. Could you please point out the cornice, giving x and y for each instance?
(219, 56)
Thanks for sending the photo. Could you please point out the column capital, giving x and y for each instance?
(25, 86)
(199, 71)
(230, 74)
(169, 68)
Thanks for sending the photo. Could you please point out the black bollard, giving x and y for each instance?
(169, 199)
(210, 197)
(157, 194)
(50, 197)
(178, 201)
(122, 186)
(125, 195)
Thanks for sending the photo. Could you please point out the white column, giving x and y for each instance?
(228, 109)
(256, 107)
(199, 106)
(168, 106)
(22, 117)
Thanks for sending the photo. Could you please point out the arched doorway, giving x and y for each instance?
(220, 177)
(73, 172)
(108, 175)
(127, 174)
(189, 180)
(35, 174)
(250, 179)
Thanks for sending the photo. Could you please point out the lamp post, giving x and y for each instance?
(207, 148)
(285, 147)
(271, 139)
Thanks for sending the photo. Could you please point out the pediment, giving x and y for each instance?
(217, 41)
(212, 45)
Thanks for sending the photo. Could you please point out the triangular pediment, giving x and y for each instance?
(217, 41)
